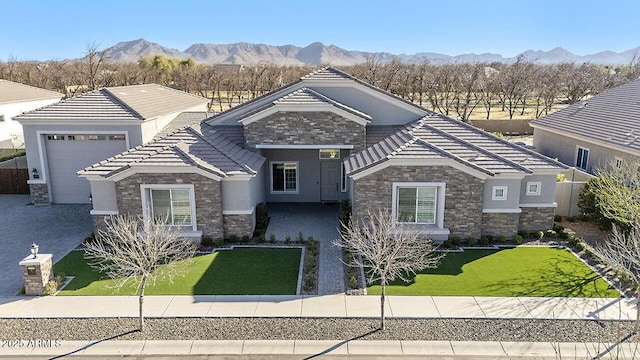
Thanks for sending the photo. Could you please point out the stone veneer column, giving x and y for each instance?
(495, 224)
(239, 225)
(36, 273)
(39, 194)
(536, 218)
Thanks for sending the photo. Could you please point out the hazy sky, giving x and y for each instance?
(43, 30)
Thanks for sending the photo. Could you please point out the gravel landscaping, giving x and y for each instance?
(317, 329)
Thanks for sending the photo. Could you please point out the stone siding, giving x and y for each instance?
(463, 194)
(536, 218)
(239, 225)
(304, 128)
(34, 284)
(99, 223)
(39, 194)
(495, 224)
(207, 194)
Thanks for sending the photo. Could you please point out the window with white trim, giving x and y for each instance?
(171, 206)
(582, 158)
(284, 177)
(416, 204)
(499, 193)
(534, 188)
(618, 162)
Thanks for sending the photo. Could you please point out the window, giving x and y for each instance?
(172, 206)
(329, 153)
(343, 178)
(499, 193)
(533, 187)
(97, 137)
(582, 158)
(618, 162)
(76, 137)
(116, 137)
(55, 137)
(284, 177)
(417, 204)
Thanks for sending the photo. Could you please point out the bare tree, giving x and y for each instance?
(95, 62)
(617, 193)
(131, 251)
(387, 250)
(621, 251)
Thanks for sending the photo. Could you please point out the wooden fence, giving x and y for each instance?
(14, 181)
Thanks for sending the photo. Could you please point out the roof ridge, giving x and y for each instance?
(324, 98)
(196, 161)
(473, 146)
(122, 103)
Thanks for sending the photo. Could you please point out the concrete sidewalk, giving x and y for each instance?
(337, 306)
(336, 349)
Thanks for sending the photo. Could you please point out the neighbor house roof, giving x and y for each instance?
(187, 147)
(438, 137)
(611, 117)
(135, 102)
(11, 92)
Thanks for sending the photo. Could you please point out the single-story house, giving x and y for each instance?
(325, 138)
(594, 133)
(68, 136)
(16, 98)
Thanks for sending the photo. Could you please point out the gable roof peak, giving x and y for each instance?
(328, 73)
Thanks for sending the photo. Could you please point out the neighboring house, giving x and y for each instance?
(68, 136)
(324, 138)
(16, 98)
(593, 133)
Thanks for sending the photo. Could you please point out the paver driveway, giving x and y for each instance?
(56, 228)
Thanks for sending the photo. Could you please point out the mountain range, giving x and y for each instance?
(317, 53)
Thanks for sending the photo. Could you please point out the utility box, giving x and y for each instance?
(36, 272)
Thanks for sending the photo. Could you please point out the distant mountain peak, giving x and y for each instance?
(317, 53)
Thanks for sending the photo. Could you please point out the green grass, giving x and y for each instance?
(242, 271)
(522, 271)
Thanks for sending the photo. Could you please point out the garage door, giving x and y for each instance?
(66, 154)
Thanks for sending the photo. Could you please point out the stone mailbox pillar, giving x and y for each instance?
(36, 273)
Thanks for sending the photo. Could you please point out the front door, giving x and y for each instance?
(330, 181)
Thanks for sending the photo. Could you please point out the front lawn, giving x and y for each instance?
(241, 271)
(522, 271)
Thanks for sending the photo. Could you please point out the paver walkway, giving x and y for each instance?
(57, 229)
(319, 221)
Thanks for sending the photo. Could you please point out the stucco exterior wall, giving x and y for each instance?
(304, 128)
(565, 150)
(463, 194)
(10, 128)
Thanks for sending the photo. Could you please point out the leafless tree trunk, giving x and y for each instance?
(128, 250)
(388, 250)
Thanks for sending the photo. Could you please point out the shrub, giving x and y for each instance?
(523, 233)
(233, 238)
(353, 281)
(272, 237)
(300, 237)
(551, 233)
(246, 238)
(13, 155)
(309, 264)
(287, 240)
(539, 234)
(489, 238)
(573, 240)
(471, 241)
(218, 241)
(558, 228)
(455, 240)
(261, 238)
(563, 234)
(517, 239)
(571, 219)
(484, 240)
(312, 246)
(579, 246)
(310, 283)
(557, 218)
(502, 239)
(206, 241)
(50, 287)
(446, 244)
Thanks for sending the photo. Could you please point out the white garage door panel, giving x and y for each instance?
(66, 157)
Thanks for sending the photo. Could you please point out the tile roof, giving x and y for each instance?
(136, 102)
(306, 96)
(187, 147)
(11, 92)
(612, 117)
(184, 119)
(438, 137)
